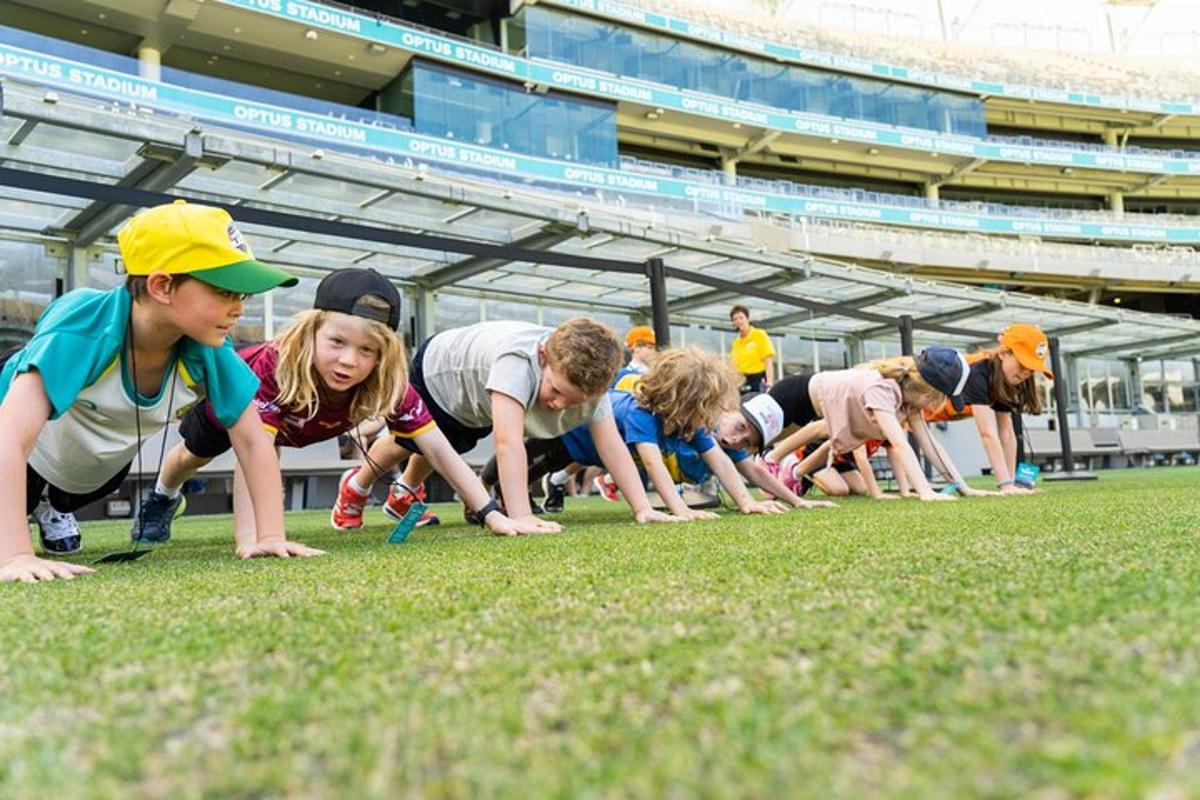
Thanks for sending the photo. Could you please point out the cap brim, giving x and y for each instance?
(245, 277)
(754, 423)
(1031, 361)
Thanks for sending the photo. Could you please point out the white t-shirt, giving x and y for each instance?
(463, 366)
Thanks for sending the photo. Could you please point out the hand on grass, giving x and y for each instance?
(28, 568)
(1013, 489)
(763, 507)
(936, 497)
(696, 513)
(883, 496)
(816, 504)
(279, 548)
(523, 526)
(648, 515)
(969, 491)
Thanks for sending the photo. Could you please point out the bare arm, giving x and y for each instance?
(259, 463)
(907, 459)
(1008, 440)
(812, 461)
(901, 477)
(769, 370)
(760, 477)
(817, 429)
(656, 468)
(863, 462)
(244, 527)
(450, 465)
(616, 459)
(993, 447)
(508, 426)
(1006, 480)
(22, 416)
(938, 455)
(728, 475)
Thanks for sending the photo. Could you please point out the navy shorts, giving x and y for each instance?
(462, 437)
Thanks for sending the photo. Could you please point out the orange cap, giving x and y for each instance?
(642, 334)
(1029, 345)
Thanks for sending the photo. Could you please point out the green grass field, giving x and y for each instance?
(1040, 646)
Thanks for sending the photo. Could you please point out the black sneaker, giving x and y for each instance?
(152, 525)
(58, 532)
(533, 504)
(555, 498)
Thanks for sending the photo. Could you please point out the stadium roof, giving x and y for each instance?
(45, 136)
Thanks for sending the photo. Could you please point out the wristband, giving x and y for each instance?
(491, 506)
(1002, 484)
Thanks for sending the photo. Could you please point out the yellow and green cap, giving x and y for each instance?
(182, 238)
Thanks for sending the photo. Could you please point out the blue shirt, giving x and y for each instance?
(636, 426)
(688, 467)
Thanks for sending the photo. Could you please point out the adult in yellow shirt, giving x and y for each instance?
(752, 354)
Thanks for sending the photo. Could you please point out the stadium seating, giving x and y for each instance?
(1148, 78)
(1106, 448)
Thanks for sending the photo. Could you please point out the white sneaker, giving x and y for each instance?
(59, 532)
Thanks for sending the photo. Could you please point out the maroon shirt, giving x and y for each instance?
(410, 417)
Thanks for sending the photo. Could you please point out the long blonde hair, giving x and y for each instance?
(903, 370)
(300, 384)
(687, 388)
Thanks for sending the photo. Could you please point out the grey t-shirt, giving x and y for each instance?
(463, 365)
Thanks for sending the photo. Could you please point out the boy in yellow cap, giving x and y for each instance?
(106, 369)
(642, 345)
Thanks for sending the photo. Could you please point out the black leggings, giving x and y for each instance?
(62, 500)
(543, 455)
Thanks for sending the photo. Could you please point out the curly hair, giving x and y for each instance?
(688, 388)
(586, 353)
(299, 383)
(917, 392)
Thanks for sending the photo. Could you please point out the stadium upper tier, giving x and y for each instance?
(76, 160)
(60, 65)
(1164, 84)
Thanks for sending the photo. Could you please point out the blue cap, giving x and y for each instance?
(946, 370)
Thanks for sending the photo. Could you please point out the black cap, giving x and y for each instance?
(344, 289)
(946, 370)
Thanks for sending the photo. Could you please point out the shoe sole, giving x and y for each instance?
(60, 553)
(421, 523)
(337, 527)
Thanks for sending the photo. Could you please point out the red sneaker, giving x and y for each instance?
(607, 487)
(347, 512)
(399, 500)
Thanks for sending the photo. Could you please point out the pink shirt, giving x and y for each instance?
(846, 396)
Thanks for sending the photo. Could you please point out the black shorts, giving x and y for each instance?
(462, 437)
(843, 463)
(753, 384)
(201, 435)
(63, 501)
(543, 457)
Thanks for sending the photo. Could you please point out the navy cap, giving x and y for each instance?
(344, 290)
(946, 370)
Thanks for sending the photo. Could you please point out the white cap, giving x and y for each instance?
(765, 415)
